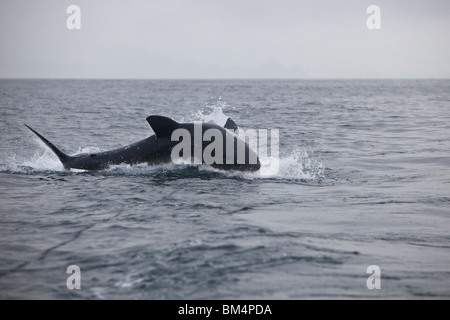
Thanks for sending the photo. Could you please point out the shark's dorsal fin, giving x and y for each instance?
(162, 126)
(230, 125)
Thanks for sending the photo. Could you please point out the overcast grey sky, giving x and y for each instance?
(225, 39)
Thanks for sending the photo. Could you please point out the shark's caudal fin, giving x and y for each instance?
(61, 155)
(162, 126)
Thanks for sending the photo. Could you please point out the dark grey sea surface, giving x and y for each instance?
(364, 179)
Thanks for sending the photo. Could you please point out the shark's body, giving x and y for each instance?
(158, 148)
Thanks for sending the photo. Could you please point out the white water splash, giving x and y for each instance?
(43, 160)
(212, 113)
(299, 164)
(216, 116)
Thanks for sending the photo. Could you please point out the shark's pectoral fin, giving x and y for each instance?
(230, 125)
(162, 126)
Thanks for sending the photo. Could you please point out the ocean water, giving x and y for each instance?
(364, 179)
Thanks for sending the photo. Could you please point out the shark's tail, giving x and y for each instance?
(61, 155)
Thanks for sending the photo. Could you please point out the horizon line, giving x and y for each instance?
(219, 79)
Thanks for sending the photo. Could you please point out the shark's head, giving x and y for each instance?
(206, 143)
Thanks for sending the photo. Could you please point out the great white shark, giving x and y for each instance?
(158, 148)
